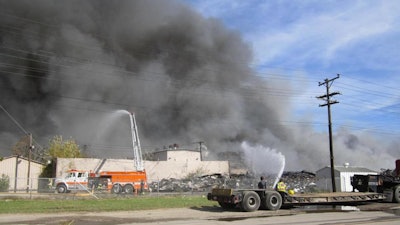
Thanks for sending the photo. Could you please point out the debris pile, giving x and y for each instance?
(196, 184)
(302, 181)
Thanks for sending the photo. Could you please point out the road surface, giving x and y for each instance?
(214, 215)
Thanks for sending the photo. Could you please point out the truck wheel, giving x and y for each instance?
(273, 201)
(251, 201)
(61, 188)
(396, 194)
(128, 189)
(116, 189)
(225, 205)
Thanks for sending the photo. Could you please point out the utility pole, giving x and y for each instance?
(16, 174)
(200, 145)
(31, 147)
(328, 102)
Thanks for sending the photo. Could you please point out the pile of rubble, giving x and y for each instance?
(198, 184)
(299, 181)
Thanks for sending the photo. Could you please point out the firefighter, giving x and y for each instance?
(141, 186)
(281, 186)
(262, 184)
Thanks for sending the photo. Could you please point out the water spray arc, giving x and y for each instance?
(279, 175)
(264, 161)
(137, 151)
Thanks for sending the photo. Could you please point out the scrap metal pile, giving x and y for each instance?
(197, 184)
(302, 181)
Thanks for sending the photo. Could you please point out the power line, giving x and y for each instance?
(48, 54)
(123, 71)
(274, 76)
(23, 130)
(14, 120)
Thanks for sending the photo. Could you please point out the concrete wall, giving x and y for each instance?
(156, 170)
(179, 155)
(17, 171)
(93, 164)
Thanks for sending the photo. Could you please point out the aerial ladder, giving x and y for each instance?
(137, 151)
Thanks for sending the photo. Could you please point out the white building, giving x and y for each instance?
(16, 168)
(342, 175)
(170, 163)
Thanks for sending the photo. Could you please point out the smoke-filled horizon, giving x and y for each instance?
(66, 66)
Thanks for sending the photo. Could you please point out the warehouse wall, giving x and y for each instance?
(17, 171)
(156, 170)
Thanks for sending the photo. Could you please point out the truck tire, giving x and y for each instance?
(273, 201)
(61, 188)
(116, 189)
(396, 194)
(251, 201)
(128, 189)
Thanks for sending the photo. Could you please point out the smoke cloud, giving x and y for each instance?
(66, 66)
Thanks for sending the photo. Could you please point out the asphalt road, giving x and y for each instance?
(377, 214)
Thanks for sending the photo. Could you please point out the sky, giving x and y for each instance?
(303, 43)
(221, 73)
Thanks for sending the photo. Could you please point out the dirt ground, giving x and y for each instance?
(181, 214)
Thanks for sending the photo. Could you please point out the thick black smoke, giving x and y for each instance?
(66, 66)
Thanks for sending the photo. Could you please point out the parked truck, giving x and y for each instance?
(115, 182)
(387, 182)
(253, 199)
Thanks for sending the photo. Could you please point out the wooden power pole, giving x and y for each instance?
(31, 147)
(328, 102)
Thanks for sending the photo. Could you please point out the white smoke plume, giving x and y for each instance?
(65, 66)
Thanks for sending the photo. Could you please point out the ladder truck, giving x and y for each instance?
(115, 182)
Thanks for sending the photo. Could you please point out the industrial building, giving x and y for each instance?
(343, 176)
(22, 172)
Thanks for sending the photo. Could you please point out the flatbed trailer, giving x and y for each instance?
(332, 198)
(253, 199)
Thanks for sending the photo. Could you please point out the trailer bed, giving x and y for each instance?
(332, 197)
(253, 199)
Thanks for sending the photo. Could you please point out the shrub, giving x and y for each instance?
(4, 183)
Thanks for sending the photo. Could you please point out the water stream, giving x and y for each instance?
(264, 161)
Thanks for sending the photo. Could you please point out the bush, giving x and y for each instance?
(4, 183)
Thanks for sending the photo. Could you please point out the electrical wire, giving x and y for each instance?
(276, 92)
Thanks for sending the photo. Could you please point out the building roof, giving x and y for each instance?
(24, 158)
(177, 150)
(352, 169)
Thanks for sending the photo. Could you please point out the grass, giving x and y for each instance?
(93, 205)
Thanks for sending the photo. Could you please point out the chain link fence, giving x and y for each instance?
(195, 185)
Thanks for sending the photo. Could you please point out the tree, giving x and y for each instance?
(22, 146)
(58, 148)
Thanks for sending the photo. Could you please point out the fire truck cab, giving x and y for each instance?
(74, 180)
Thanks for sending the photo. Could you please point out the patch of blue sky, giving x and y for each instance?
(304, 42)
